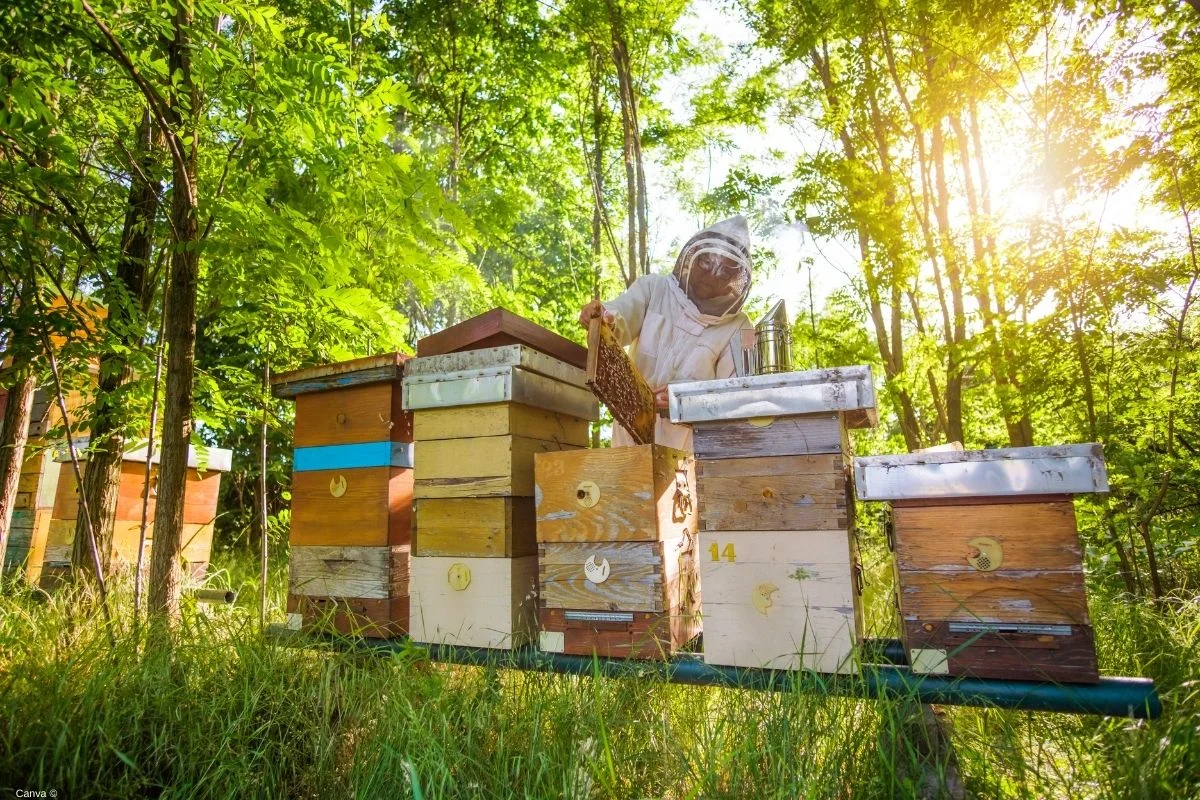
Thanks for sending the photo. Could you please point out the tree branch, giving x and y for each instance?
(153, 99)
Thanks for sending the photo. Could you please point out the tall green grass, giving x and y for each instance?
(229, 715)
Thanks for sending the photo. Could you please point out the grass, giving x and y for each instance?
(228, 715)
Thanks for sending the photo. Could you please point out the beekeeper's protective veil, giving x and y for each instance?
(713, 268)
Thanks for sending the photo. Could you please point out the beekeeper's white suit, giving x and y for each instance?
(689, 325)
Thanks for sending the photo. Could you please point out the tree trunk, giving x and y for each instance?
(17, 412)
(124, 298)
(954, 367)
(180, 333)
(1019, 430)
(630, 145)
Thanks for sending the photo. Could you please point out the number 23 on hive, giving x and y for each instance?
(727, 552)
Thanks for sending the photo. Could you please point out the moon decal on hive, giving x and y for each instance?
(596, 573)
(761, 597)
(337, 485)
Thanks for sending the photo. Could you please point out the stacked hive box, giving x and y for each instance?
(480, 416)
(988, 561)
(32, 513)
(33, 509)
(201, 493)
(351, 497)
(778, 558)
(616, 531)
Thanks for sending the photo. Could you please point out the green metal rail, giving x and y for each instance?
(1116, 697)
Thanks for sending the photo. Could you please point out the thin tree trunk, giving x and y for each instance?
(17, 413)
(180, 334)
(954, 367)
(125, 297)
(262, 497)
(139, 578)
(1005, 390)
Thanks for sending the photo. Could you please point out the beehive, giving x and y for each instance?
(616, 531)
(988, 560)
(480, 417)
(202, 489)
(351, 497)
(778, 558)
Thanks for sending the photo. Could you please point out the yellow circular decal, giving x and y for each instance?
(458, 576)
(337, 485)
(760, 422)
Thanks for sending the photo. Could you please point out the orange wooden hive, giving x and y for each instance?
(201, 493)
(351, 497)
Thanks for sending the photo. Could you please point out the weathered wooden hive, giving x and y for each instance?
(33, 509)
(351, 497)
(616, 531)
(988, 561)
(202, 490)
(480, 415)
(778, 557)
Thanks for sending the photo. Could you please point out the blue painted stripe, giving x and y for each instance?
(353, 456)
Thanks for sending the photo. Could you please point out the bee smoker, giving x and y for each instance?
(772, 350)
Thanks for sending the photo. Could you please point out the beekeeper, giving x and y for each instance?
(688, 325)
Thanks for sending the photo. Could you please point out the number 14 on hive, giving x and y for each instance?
(727, 552)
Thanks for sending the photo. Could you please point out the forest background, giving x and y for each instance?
(994, 204)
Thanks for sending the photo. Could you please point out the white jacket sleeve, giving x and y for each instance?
(629, 308)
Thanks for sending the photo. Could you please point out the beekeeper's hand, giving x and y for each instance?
(661, 398)
(591, 311)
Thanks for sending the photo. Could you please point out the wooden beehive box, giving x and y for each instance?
(988, 561)
(486, 396)
(778, 557)
(352, 486)
(617, 551)
(202, 490)
(474, 602)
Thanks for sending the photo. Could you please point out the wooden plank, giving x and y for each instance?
(495, 608)
(197, 543)
(638, 493)
(782, 500)
(779, 599)
(1067, 656)
(821, 464)
(374, 508)
(614, 379)
(39, 533)
(645, 635)
(846, 390)
(501, 385)
(1032, 536)
(349, 616)
(639, 576)
(353, 456)
(770, 436)
(362, 572)
(1002, 596)
(495, 358)
(485, 466)
(1060, 470)
(501, 327)
(500, 419)
(352, 415)
(482, 527)
(344, 374)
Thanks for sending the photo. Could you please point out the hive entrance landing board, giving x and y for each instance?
(614, 379)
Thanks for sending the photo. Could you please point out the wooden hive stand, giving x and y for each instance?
(778, 558)
(616, 530)
(988, 560)
(351, 497)
(481, 414)
(202, 490)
